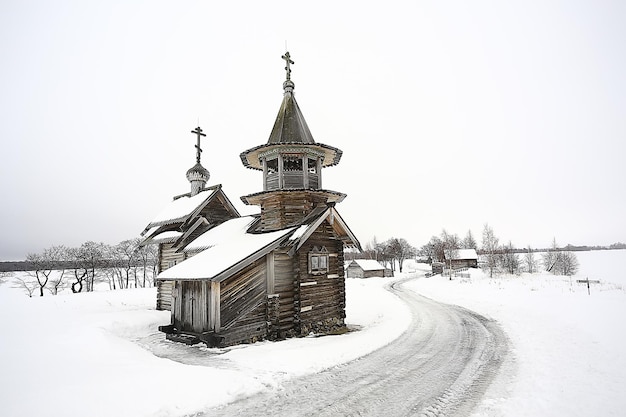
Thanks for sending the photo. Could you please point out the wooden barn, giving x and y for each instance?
(366, 268)
(273, 275)
(463, 258)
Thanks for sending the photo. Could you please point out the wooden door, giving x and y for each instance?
(193, 303)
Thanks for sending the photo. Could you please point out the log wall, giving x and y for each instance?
(242, 294)
(321, 302)
(284, 209)
(285, 286)
(167, 258)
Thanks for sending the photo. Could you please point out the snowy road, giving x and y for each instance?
(440, 366)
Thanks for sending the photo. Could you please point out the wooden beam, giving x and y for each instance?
(270, 274)
(214, 307)
(305, 171)
(264, 160)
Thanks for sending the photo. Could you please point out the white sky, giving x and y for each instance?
(450, 114)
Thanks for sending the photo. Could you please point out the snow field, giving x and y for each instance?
(81, 354)
(568, 347)
(90, 354)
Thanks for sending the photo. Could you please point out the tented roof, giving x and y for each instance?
(290, 133)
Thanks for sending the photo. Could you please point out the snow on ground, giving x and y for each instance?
(568, 346)
(85, 354)
(92, 354)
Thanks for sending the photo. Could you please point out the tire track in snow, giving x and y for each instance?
(441, 366)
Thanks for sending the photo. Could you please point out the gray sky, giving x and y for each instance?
(450, 114)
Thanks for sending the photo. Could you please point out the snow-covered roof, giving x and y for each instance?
(318, 215)
(231, 229)
(465, 254)
(166, 237)
(180, 208)
(228, 246)
(369, 264)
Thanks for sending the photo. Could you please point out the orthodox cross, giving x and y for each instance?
(288, 61)
(198, 132)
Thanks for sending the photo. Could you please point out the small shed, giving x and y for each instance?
(463, 258)
(365, 268)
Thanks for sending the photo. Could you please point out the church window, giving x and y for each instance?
(318, 260)
(272, 165)
(292, 163)
(312, 165)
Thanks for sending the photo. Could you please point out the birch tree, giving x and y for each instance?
(510, 260)
(450, 248)
(148, 256)
(550, 258)
(490, 248)
(529, 261)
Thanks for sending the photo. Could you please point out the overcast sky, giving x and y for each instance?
(450, 114)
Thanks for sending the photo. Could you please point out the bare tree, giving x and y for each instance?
(529, 261)
(469, 242)
(29, 286)
(370, 251)
(4, 275)
(384, 254)
(569, 263)
(400, 250)
(127, 257)
(114, 267)
(451, 246)
(60, 256)
(78, 269)
(560, 262)
(111, 267)
(92, 256)
(550, 258)
(490, 248)
(86, 262)
(510, 260)
(434, 249)
(43, 264)
(148, 258)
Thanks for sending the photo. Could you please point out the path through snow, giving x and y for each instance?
(440, 366)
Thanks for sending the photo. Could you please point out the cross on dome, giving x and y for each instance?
(288, 61)
(198, 131)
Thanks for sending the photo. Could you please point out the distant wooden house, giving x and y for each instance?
(463, 258)
(366, 268)
(276, 274)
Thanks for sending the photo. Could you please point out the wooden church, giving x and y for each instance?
(230, 279)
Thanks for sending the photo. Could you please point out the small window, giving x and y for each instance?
(292, 163)
(312, 165)
(272, 165)
(315, 262)
(318, 260)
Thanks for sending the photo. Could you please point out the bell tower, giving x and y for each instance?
(292, 164)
